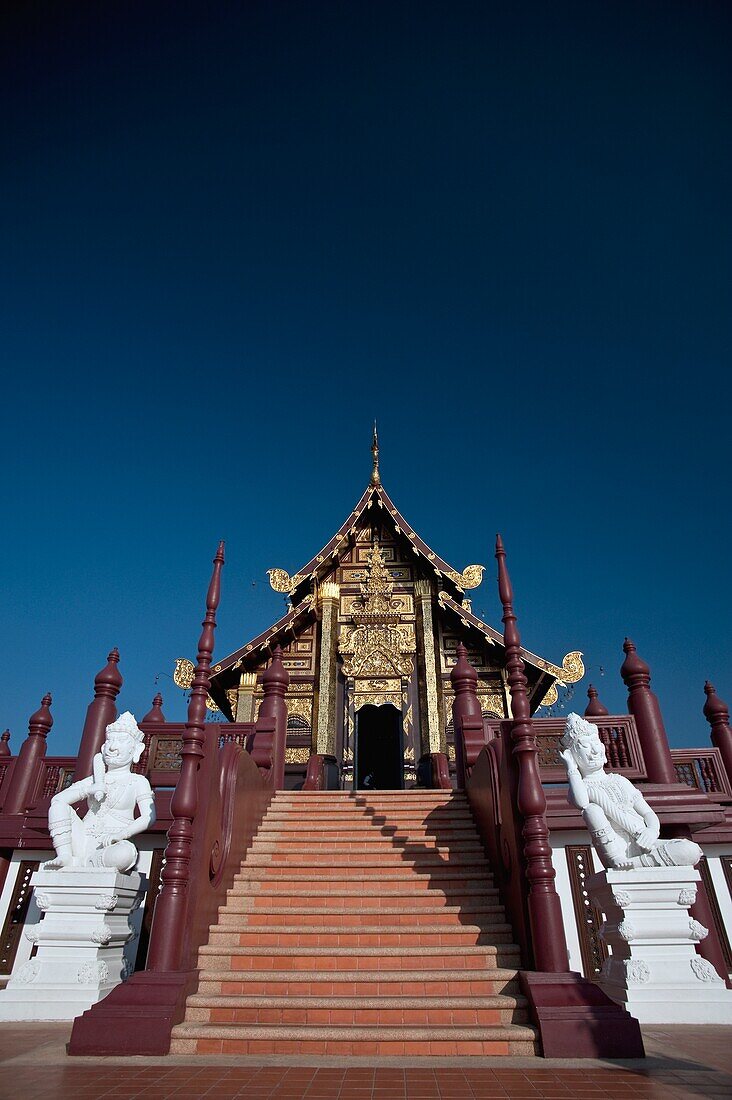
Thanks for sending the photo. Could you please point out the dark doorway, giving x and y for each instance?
(379, 752)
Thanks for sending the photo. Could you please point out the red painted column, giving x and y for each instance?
(464, 680)
(30, 759)
(716, 713)
(594, 709)
(275, 681)
(171, 908)
(100, 713)
(644, 706)
(545, 913)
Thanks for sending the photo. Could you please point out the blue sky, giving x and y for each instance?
(232, 237)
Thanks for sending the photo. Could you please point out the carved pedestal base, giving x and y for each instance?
(79, 944)
(653, 969)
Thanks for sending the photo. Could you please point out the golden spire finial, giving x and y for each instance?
(375, 477)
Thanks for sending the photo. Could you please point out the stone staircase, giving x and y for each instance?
(360, 923)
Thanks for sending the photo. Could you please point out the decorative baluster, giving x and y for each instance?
(275, 681)
(100, 712)
(171, 908)
(644, 706)
(716, 713)
(545, 913)
(28, 766)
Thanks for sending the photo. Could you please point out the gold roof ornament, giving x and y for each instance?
(470, 577)
(281, 580)
(571, 672)
(183, 674)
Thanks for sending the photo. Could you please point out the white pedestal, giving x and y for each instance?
(653, 969)
(79, 941)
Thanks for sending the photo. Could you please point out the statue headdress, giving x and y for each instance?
(574, 728)
(126, 723)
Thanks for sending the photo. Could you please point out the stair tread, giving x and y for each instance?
(364, 977)
(399, 1034)
(244, 1000)
(437, 949)
(356, 929)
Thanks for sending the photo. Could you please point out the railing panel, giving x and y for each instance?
(703, 769)
(617, 732)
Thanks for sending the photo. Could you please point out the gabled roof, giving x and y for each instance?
(374, 496)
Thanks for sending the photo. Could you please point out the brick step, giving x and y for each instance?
(383, 847)
(430, 877)
(276, 834)
(389, 936)
(331, 818)
(515, 1040)
(379, 861)
(357, 983)
(482, 957)
(368, 892)
(355, 1011)
(236, 912)
(423, 793)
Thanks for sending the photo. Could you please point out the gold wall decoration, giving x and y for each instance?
(431, 716)
(470, 577)
(297, 756)
(325, 739)
(378, 644)
(492, 704)
(298, 707)
(232, 695)
(281, 580)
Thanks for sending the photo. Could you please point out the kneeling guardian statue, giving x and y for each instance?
(623, 827)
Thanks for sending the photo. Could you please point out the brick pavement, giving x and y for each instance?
(683, 1063)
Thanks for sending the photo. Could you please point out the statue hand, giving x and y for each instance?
(569, 761)
(112, 838)
(646, 838)
(98, 793)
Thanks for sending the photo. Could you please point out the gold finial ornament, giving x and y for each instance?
(375, 475)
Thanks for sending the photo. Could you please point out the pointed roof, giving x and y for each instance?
(299, 586)
(374, 496)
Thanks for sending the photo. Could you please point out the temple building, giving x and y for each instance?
(369, 643)
(371, 849)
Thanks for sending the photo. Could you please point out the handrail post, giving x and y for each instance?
(716, 713)
(275, 682)
(465, 705)
(101, 711)
(171, 908)
(644, 706)
(545, 912)
(24, 779)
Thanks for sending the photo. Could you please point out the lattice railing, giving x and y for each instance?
(617, 732)
(703, 769)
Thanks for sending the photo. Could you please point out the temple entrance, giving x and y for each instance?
(379, 755)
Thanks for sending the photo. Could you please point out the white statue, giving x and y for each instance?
(101, 839)
(623, 827)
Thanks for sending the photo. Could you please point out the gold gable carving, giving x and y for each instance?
(378, 644)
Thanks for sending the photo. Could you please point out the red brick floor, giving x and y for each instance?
(682, 1063)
